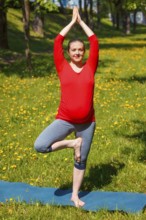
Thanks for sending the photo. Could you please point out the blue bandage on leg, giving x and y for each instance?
(81, 165)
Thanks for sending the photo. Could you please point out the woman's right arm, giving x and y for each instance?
(58, 43)
(66, 29)
(58, 52)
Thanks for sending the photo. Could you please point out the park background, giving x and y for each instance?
(29, 99)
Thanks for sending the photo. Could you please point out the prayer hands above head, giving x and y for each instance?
(76, 18)
(79, 18)
(75, 14)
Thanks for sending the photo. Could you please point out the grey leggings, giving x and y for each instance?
(60, 129)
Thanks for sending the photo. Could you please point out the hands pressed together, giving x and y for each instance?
(76, 19)
(75, 15)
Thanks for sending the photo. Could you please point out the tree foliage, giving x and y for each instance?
(45, 6)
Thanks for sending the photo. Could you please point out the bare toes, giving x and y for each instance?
(81, 203)
(77, 202)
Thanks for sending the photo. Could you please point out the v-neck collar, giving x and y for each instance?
(75, 71)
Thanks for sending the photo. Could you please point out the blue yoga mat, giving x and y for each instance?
(94, 201)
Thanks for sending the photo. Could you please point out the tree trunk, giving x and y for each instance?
(98, 14)
(80, 6)
(86, 12)
(91, 21)
(61, 7)
(112, 14)
(26, 15)
(126, 23)
(117, 20)
(3, 26)
(38, 23)
(91, 7)
(134, 20)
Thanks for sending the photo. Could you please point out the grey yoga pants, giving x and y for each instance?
(60, 129)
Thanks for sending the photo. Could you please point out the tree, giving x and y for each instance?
(138, 5)
(116, 11)
(26, 24)
(86, 12)
(38, 22)
(3, 25)
(91, 21)
(128, 7)
(80, 6)
(102, 8)
(61, 6)
(41, 8)
(121, 10)
(98, 4)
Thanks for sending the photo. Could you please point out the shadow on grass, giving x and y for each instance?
(15, 64)
(125, 46)
(139, 79)
(131, 79)
(99, 176)
(140, 136)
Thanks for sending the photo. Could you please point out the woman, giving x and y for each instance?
(76, 111)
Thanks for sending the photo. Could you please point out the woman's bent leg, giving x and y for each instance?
(74, 143)
(55, 132)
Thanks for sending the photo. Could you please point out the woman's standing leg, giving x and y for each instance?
(86, 132)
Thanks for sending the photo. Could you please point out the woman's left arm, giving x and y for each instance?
(94, 46)
(84, 26)
(93, 52)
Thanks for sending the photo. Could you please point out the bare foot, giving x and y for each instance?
(78, 203)
(77, 149)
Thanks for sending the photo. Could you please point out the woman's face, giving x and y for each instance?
(76, 51)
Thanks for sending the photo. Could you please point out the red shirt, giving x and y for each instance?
(77, 89)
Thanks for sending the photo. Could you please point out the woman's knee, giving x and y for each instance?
(41, 147)
(37, 146)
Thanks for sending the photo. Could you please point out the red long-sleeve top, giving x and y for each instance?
(77, 89)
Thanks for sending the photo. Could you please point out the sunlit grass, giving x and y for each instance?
(29, 102)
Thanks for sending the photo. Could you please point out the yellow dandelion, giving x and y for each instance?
(13, 166)
(1, 151)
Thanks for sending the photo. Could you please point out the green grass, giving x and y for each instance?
(29, 102)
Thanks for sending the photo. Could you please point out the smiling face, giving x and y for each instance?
(76, 51)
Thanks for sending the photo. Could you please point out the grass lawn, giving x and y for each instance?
(29, 101)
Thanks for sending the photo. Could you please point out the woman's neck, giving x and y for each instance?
(77, 67)
(78, 64)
